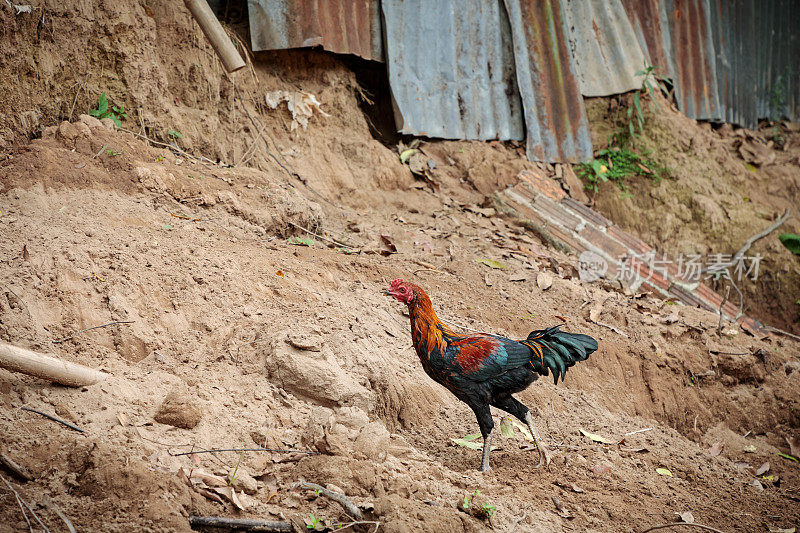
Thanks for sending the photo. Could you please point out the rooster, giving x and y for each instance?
(484, 370)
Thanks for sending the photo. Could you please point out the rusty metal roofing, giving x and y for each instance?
(352, 27)
(555, 117)
(646, 17)
(758, 71)
(451, 69)
(693, 58)
(605, 47)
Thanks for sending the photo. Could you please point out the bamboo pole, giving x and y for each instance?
(216, 35)
(47, 367)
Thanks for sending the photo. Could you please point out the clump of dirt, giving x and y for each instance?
(254, 318)
(725, 186)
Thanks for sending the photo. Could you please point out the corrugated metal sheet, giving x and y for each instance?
(352, 27)
(693, 58)
(646, 16)
(451, 69)
(555, 117)
(604, 45)
(758, 70)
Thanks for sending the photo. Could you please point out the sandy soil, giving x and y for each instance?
(239, 336)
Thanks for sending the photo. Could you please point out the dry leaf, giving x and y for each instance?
(576, 488)
(794, 445)
(763, 469)
(686, 516)
(390, 247)
(518, 277)
(757, 484)
(716, 448)
(596, 438)
(25, 255)
(663, 472)
(594, 312)
(486, 280)
(230, 493)
(123, 419)
(749, 449)
(198, 475)
(544, 280)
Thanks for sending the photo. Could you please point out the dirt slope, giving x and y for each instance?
(261, 342)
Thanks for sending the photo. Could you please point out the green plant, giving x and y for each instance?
(313, 522)
(175, 134)
(791, 241)
(777, 95)
(635, 115)
(616, 164)
(102, 111)
(486, 509)
(236, 469)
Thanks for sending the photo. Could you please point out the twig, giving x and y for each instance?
(517, 521)
(23, 505)
(321, 237)
(54, 419)
(91, 328)
(48, 502)
(95, 156)
(612, 328)
(429, 270)
(725, 299)
(782, 332)
(717, 267)
(170, 146)
(244, 524)
(638, 431)
(20, 471)
(30, 509)
(358, 523)
(678, 524)
(242, 450)
(717, 352)
(459, 326)
(338, 497)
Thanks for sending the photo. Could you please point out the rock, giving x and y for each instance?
(108, 124)
(82, 129)
(67, 131)
(179, 409)
(373, 441)
(314, 375)
(243, 480)
(311, 343)
(91, 122)
(757, 153)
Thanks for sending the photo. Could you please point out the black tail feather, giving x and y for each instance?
(559, 350)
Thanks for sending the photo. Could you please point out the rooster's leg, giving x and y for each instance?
(516, 408)
(487, 448)
(544, 453)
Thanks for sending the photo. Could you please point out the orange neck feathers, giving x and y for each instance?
(427, 331)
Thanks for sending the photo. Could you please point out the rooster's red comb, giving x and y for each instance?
(396, 283)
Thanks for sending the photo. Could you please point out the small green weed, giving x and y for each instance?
(175, 134)
(113, 153)
(791, 241)
(313, 523)
(102, 111)
(616, 164)
(486, 509)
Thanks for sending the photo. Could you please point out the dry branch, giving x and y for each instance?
(338, 497)
(679, 524)
(59, 341)
(243, 524)
(48, 367)
(18, 470)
